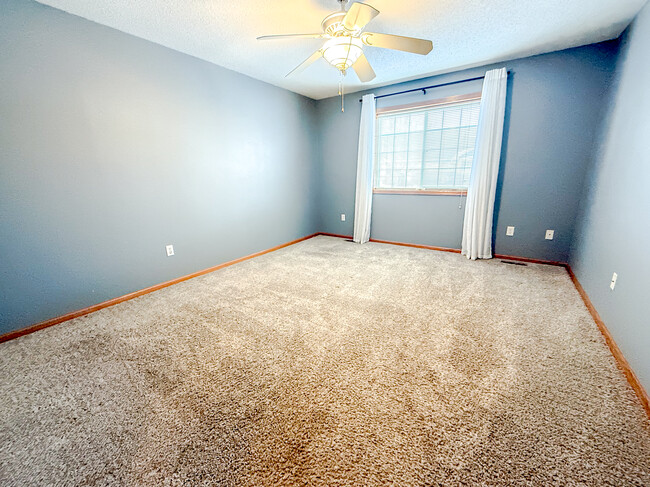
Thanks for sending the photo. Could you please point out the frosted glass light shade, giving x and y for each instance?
(342, 52)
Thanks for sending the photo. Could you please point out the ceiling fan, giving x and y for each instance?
(346, 39)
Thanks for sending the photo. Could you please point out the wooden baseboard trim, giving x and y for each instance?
(401, 244)
(417, 246)
(390, 242)
(348, 237)
(529, 260)
(623, 364)
(96, 307)
(455, 251)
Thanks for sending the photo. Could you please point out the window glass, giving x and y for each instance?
(429, 148)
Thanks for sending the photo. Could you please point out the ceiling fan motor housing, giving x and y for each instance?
(333, 24)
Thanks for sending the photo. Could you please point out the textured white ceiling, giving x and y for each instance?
(465, 33)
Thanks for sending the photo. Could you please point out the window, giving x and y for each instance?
(426, 148)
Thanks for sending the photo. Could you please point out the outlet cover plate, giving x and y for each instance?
(612, 284)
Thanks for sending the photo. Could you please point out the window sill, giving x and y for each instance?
(438, 192)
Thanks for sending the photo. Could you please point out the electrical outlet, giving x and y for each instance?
(342, 217)
(510, 231)
(170, 250)
(549, 234)
(612, 284)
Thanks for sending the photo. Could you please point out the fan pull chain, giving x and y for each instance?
(341, 89)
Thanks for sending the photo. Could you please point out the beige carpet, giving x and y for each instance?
(327, 363)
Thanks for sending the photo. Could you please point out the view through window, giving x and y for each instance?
(429, 148)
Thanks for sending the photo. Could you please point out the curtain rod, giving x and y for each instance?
(425, 88)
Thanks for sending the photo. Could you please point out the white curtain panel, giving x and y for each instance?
(479, 209)
(363, 198)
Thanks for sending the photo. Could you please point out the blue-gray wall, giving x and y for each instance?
(613, 234)
(554, 108)
(112, 147)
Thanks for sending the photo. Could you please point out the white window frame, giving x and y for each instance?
(451, 100)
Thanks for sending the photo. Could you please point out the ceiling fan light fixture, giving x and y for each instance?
(342, 52)
(346, 37)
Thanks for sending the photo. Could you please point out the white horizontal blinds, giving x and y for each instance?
(428, 148)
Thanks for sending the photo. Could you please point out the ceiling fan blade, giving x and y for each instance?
(358, 16)
(290, 36)
(388, 41)
(301, 67)
(363, 69)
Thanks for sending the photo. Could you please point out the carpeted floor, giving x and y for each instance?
(327, 363)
